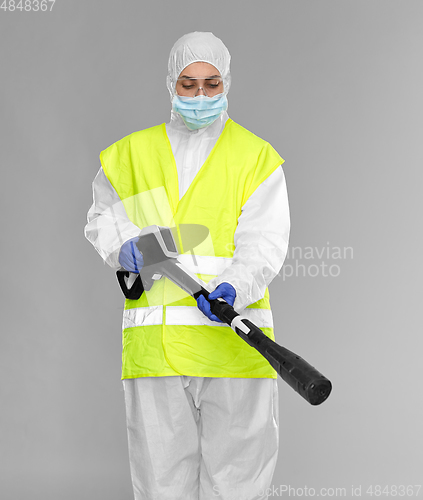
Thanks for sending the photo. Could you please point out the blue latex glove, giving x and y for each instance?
(130, 257)
(224, 290)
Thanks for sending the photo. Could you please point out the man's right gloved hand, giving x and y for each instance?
(130, 257)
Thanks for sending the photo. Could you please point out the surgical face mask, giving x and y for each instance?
(201, 111)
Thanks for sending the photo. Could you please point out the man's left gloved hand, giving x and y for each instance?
(224, 290)
(130, 258)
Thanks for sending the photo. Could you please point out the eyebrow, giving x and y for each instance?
(194, 78)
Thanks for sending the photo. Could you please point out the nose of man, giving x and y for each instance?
(200, 89)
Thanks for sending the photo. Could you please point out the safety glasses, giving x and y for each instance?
(190, 86)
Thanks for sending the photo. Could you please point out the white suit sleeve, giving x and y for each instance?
(108, 224)
(261, 242)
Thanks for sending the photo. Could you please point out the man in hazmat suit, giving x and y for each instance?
(201, 404)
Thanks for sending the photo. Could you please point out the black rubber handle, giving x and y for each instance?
(137, 288)
(294, 370)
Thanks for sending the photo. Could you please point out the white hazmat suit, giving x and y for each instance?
(193, 437)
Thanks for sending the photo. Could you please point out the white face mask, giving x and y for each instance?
(201, 111)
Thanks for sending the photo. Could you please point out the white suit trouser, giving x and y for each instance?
(196, 438)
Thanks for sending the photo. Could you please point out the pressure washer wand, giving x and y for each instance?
(294, 370)
(160, 259)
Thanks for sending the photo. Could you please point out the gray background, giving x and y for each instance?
(336, 87)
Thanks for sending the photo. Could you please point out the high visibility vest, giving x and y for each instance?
(164, 332)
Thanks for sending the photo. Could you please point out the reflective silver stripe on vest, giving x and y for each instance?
(187, 315)
(140, 316)
(205, 265)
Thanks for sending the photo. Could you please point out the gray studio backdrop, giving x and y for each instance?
(336, 87)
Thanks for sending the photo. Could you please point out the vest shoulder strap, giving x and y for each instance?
(266, 158)
(110, 158)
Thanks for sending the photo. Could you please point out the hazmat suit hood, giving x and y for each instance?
(197, 47)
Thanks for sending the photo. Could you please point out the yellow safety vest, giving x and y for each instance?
(164, 332)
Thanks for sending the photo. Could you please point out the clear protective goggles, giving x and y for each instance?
(192, 86)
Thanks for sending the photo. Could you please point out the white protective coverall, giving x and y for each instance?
(192, 437)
